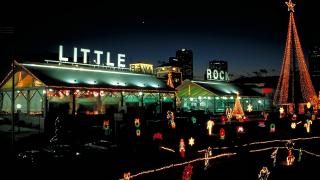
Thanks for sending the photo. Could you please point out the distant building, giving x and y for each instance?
(217, 71)
(314, 66)
(164, 70)
(185, 61)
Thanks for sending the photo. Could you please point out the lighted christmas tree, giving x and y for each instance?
(169, 81)
(237, 109)
(294, 85)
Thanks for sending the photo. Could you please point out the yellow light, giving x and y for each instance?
(210, 124)
(249, 109)
(191, 141)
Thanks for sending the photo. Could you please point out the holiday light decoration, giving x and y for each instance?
(223, 119)
(249, 108)
(272, 128)
(222, 133)
(282, 92)
(294, 117)
(229, 113)
(170, 118)
(169, 81)
(281, 110)
(274, 156)
(300, 155)
(126, 176)
(191, 141)
(290, 158)
(240, 129)
(307, 125)
(210, 124)
(194, 120)
(182, 148)
(290, 146)
(137, 125)
(157, 136)
(293, 125)
(308, 105)
(237, 110)
(187, 172)
(106, 124)
(167, 149)
(263, 174)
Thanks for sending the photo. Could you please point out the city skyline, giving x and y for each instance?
(248, 35)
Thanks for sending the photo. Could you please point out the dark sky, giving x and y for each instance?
(249, 35)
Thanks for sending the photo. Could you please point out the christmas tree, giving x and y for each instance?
(237, 109)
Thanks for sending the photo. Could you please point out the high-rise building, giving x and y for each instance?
(185, 61)
(314, 66)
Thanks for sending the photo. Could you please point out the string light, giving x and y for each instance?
(168, 149)
(191, 141)
(263, 174)
(307, 125)
(249, 108)
(182, 148)
(272, 128)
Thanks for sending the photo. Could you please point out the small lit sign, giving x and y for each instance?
(217, 75)
(142, 68)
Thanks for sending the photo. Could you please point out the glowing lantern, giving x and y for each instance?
(307, 125)
(191, 141)
(249, 108)
(272, 128)
(210, 123)
(182, 148)
(222, 134)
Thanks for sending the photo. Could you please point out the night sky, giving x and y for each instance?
(249, 35)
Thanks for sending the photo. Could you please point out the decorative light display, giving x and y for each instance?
(126, 176)
(169, 81)
(222, 134)
(187, 172)
(300, 155)
(307, 89)
(137, 125)
(308, 105)
(240, 129)
(157, 136)
(229, 113)
(293, 125)
(106, 124)
(170, 118)
(191, 141)
(261, 124)
(194, 120)
(272, 128)
(237, 110)
(206, 159)
(307, 125)
(274, 157)
(182, 148)
(223, 119)
(263, 174)
(294, 117)
(249, 108)
(290, 157)
(281, 110)
(210, 124)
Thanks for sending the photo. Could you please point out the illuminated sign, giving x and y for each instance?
(142, 68)
(97, 60)
(217, 75)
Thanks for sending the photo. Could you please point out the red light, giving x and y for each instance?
(266, 90)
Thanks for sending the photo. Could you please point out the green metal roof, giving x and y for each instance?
(73, 76)
(212, 88)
